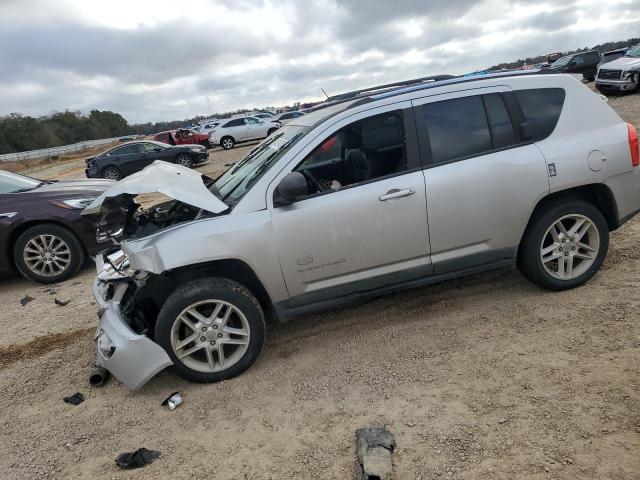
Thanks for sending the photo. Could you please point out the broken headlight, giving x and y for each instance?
(115, 267)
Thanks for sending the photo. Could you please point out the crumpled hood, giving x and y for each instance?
(174, 181)
(623, 63)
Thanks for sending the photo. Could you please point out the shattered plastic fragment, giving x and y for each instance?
(137, 459)
(75, 399)
(61, 303)
(172, 401)
(26, 300)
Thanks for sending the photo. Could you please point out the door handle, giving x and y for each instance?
(395, 193)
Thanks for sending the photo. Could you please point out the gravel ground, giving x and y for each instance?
(486, 377)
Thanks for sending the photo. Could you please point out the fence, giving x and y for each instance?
(55, 151)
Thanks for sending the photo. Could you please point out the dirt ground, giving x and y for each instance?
(486, 377)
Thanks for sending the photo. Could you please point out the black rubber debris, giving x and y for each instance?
(61, 303)
(137, 459)
(374, 447)
(25, 300)
(75, 399)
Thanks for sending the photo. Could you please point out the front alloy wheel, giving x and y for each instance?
(48, 253)
(210, 336)
(185, 160)
(212, 329)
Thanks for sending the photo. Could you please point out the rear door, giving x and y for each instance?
(482, 180)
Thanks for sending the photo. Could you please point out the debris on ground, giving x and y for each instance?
(374, 447)
(61, 303)
(25, 300)
(172, 401)
(99, 376)
(137, 459)
(75, 399)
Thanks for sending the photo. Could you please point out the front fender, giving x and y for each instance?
(246, 237)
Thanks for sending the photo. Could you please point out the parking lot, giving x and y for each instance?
(480, 378)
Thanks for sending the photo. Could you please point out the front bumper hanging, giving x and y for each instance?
(132, 358)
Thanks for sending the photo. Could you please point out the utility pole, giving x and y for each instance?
(209, 102)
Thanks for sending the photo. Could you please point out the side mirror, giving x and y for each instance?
(292, 186)
(524, 129)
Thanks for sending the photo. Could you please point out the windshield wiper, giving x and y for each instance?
(265, 164)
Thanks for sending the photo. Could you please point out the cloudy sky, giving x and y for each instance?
(153, 60)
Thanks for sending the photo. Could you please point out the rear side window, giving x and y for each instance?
(234, 123)
(541, 108)
(500, 123)
(456, 128)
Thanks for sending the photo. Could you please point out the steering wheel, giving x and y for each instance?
(312, 178)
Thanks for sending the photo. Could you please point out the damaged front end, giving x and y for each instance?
(129, 300)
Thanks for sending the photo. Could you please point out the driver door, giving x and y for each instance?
(364, 235)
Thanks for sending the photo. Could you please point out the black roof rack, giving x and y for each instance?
(378, 88)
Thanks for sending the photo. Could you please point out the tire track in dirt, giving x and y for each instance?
(40, 346)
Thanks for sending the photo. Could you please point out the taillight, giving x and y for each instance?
(633, 145)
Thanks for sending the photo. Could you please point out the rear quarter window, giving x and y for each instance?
(541, 108)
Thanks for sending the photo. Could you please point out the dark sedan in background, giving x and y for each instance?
(123, 160)
(42, 234)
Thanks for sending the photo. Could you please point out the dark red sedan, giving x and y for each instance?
(42, 234)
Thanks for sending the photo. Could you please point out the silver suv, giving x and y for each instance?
(620, 75)
(377, 193)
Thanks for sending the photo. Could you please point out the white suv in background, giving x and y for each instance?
(235, 130)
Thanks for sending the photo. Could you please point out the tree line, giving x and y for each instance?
(19, 133)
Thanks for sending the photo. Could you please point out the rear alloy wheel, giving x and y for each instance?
(565, 245)
(112, 173)
(185, 160)
(212, 329)
(227, 143)
(48, 253)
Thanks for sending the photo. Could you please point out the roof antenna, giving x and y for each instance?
(325, 93)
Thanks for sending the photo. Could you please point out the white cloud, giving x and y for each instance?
(159, 60)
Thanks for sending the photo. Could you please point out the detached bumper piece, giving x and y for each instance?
(132, 358)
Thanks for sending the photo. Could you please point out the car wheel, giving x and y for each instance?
(564, 245)
(227, 143)
(48, 253)
(112, 173)
(185, 160)
(213, 329)
(271, 130)
(588, 78)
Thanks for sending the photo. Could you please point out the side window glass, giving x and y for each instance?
(541, 108)
(455, 128)
(502, 133)
(578, 59)
(360, 152)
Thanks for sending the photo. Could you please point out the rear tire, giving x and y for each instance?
(48, 253)
(227, 143)
(205, 347)
(553, 255)
(112, 173)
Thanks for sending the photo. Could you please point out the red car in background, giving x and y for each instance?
(183, 136)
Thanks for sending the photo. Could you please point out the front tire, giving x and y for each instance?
(185, 160)
(112, 173)
(227, 143)
(48, 253)
(564, 245)
(213, 329)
